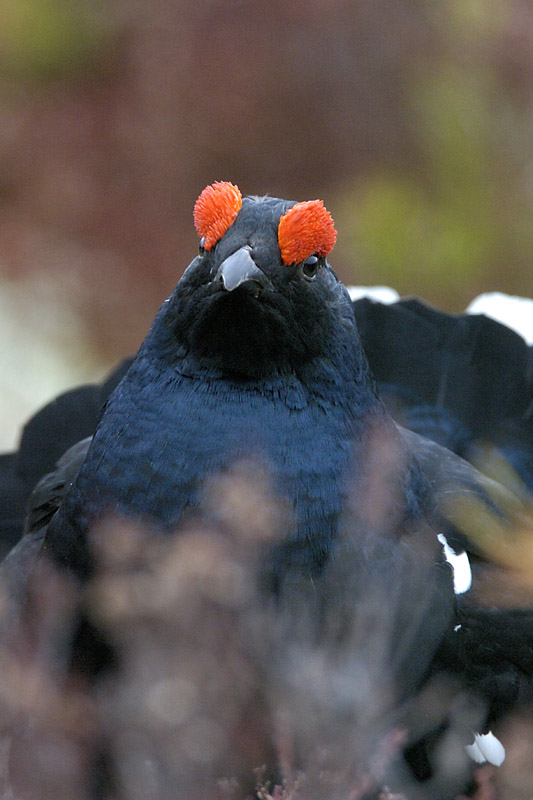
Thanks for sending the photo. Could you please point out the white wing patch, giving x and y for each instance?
(515, 312)
(486, 747)
(384, 294)
(462, 574)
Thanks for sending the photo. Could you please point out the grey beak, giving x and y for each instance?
(240, 268)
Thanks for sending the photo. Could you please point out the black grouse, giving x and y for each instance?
(256, 356)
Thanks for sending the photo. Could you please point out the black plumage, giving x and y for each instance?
(45, 438)
(463, 380)
(272, 369)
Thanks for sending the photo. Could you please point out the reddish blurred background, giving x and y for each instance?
(412, 121)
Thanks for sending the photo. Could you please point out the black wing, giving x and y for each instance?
(58, 426)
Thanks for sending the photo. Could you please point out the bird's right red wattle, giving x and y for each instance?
(215, 210)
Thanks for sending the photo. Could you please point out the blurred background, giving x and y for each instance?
(412, 120)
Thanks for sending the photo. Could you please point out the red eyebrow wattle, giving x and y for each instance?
(305, 230)
(215, 210)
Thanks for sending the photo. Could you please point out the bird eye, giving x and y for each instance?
(201, 248)
(310, 267)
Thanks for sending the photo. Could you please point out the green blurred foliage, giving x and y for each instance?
(42, 38)
(459, 221)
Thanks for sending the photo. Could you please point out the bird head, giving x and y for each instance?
(260, 297)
